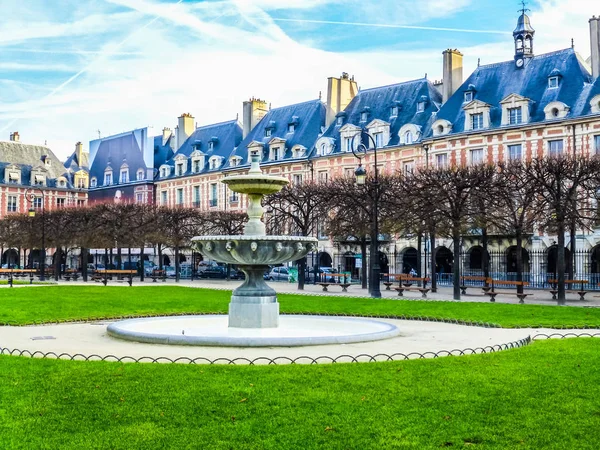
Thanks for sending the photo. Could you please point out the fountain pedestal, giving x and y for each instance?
(254, 303)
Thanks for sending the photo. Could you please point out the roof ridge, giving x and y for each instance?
(392, 84)
(215, 124)
(295, 104)
(542, 56)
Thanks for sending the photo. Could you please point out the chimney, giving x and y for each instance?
(453, 73)
(15, 136)
(340, 92)
(185, 128)
(253, 111)
(79, 152)
(166, 135)
(595, 41)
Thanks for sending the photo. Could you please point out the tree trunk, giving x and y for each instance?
(433, 254)
(160, 258)
(560, 262)
(419, 245)
(363, 269)
(177, 263)
(142, 264)
(84, 259)
(519, 260)
(486, 255)
(573, 266)
(119, 258)
(456, 263)
(301, 273)
(57, 260)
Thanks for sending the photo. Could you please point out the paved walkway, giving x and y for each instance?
(474, 294)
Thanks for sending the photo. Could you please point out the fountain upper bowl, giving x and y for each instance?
(255, 184)
(255, 250)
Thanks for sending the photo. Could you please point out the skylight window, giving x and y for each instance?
(553, 82)
(468, 96)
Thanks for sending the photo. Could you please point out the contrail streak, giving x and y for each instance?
(64, 84)
(385, 25)
(69, 52)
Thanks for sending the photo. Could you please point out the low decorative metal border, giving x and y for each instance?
(263, 360)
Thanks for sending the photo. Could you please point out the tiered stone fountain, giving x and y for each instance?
(253, 318)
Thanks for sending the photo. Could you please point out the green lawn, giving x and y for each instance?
(60, 303)
(544, 396)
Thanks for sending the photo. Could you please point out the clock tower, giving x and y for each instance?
(523, 36)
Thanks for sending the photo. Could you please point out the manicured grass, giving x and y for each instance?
(545, 396)
(61, 303)
(22, 282)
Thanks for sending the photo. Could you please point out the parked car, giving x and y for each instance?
(10, 266)
(278, 274)
(213, 272)
(169, 271)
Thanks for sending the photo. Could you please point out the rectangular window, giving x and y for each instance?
(11, 205)
(268, 132)
(323, 176)
(555, 148)
(275, 154)
(196, 166)
(163, 198)
(180, 196)
(339, 121)
(408, 167)
(213, 194)
(476, 156)
(139, 197)
(179, 169)
(477, 121)
(80, 183)
(553, 82)
(196, 196)
(394, 112)
(597, 144)
(60, 202)
(468, 96)
(108, 179)
(124, 176)
(140, 175)
(38, 202)
(348, 144)
(420, 107)
(291, 128)
(363, 117)
(378, 140)
(514, 152)
(234, 197)
(515, 116)
(442, 160)
(297, 178)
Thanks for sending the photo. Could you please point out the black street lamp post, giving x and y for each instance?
(359, 152)
(31, 196)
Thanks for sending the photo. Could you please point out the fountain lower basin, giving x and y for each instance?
(213, 330)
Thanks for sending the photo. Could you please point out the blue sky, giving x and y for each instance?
(73, 67)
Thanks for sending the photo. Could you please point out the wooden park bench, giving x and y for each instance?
(581, 292)
(158, 274)
(493, 292)
(405, 284)
(71, 273)
(465, 278)
(105, 273)
(342, 282)
(11, 274)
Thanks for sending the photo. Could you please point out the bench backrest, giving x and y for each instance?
(508, 282)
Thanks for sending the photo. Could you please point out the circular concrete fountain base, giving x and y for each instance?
(213, 330)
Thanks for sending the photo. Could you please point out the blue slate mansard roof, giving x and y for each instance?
(494, 82)
(212, 140)
(308, 119)
(162, 153)
(378, 103)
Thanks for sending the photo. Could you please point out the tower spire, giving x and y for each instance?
(523, 36)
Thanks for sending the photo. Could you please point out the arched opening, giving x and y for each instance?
(325, 259)
(34, 259)
(349, 264)
(166, 260)
(410, 260)
(511, 259)
(10, 258)
(552, 259)
(476, 258)
(384, 266)
(595, 260)
(443, 260)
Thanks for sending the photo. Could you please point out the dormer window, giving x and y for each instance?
(515, 116)
(140, 174)
(552, 82)
(408, 138)
(394, 111)
(468, 96)
(124, 176)
(38, 180)
(211, 146)
(214, 163)
(291, 127)
(477, 121)
(235, 161)
(378, 140)
(556, 110)
(420, 107)
(179, 169)
(108, 179)
(93, 182)
(165, 171)
(196, 165)
(62, 183)
(339, 121)
(48, 161)
(364, 116)
(276, 153)
(268, 132)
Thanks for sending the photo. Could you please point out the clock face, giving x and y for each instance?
(519, 62)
